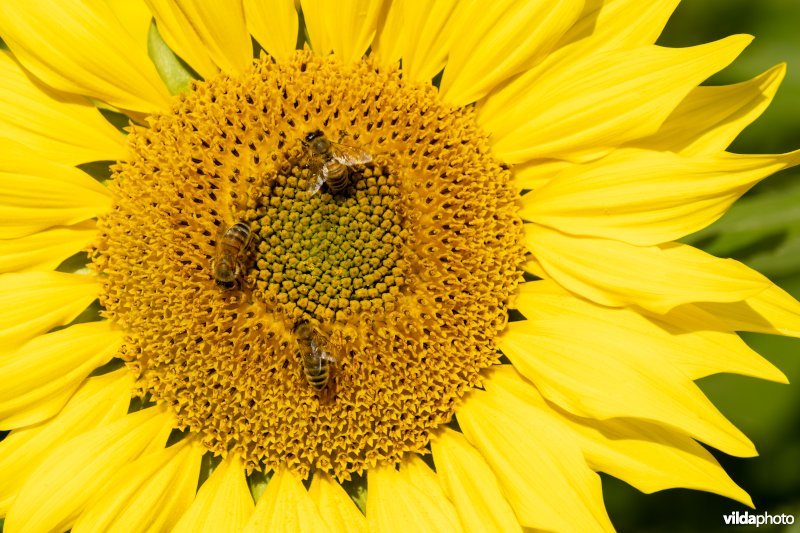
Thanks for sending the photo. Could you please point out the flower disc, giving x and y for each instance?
(405, 274)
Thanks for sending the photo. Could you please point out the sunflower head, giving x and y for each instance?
(429, 247)
(405, 283)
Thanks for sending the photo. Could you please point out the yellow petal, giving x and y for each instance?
(537, 173)
(414, 470)
(710, 118)
(536, 459)
(134, 17)
(99, 401)
(336, 508)
(653, 458)
(64, 128)
(496, 40)
(646, 455)
(647, 198)
(391, 37)
(285, 506)
(394, 503)
(596, 368)
(621, 23)
(34, 302)
(209, 36)
(274, 25)
(532, 266)
(772, 311)
(580, 103)
(344, 28)
(223, 503)
(81, 47)
(46, 249)
(432, 26)
(41, 376)
(78, 471)
(36, 194)
(722, 352)
(656, 278)
(470, 484)
(149, 494)
(685, 341)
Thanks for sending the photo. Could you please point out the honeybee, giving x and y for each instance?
(232, 247)
(331, 162)
(318, 365)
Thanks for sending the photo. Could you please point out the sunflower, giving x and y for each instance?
(365, 265)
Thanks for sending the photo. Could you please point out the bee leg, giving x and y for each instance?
(326, 395)
(238, 283)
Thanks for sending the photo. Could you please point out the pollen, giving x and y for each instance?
(406, 273)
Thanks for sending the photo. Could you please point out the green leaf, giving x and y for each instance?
(75, 264)
(99, 170)
(175, 73)
(356, 488)
(208, 464)
(119, 120)
(302, 33)
(257, 481)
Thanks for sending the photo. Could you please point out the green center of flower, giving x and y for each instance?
(329, 254)
(329, 326)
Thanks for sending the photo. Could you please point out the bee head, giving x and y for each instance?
(309, 138)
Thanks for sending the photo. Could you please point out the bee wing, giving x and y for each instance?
(247, 245)
(216, 260)
(349, 155)
(319, 172)
(319, 354)
(218, 240)
(317, 185)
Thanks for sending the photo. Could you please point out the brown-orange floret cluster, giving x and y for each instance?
(408, 273)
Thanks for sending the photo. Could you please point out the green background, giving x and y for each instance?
(762, 230)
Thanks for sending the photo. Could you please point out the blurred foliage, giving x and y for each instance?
(762, 230)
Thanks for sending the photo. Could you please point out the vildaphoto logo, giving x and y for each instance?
(762, 519)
